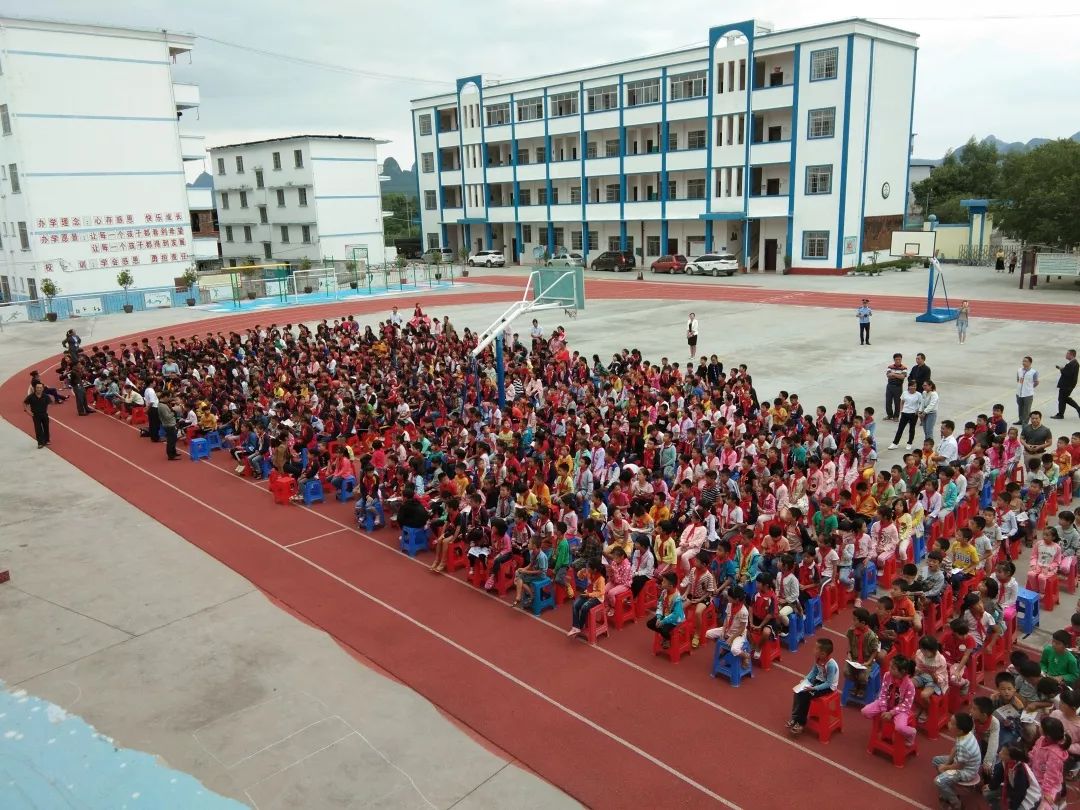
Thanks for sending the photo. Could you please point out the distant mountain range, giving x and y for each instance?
(402, 182)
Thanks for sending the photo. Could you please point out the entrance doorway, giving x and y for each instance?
(770, 255)
(514, 249)
(672, 246)
(772, 187)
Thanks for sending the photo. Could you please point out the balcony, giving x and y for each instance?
(192, 147)
(200, 199)
(773, 205)
(772, 98)
(186, 96)
(205, 248)
(770, 152)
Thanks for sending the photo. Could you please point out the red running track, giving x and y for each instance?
(611, 725)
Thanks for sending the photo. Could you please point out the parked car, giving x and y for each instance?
(713, 264)
(572, 259)
(614, 260)
(487, 258)
(446, 256)
(670, 264)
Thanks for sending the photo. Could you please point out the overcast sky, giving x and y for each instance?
(1013, 78)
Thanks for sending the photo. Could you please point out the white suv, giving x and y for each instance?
(488, 258)
(713, 264)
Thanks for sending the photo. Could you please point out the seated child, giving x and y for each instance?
(732, 632)
(764, 614)
(863, 649)
(1057, 662)
(1045, 560)
(534, 570)
(1007, 707)
(931, 673)
(958, 645)
(790, 592)
(896, 698)
(965, 557)
(669, 609)
(820, 681)
(903, 614)
(1008, 588)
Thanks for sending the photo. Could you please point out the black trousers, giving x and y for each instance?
(80, 400)
(1065, 398)
(800, 706)
(908, 420)
(153, 419)
(864, 333)
(664, 630)
(892, 400)
(170, 441)
(41, 428)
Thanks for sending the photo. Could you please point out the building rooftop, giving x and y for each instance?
(172, 37)
(303, 138)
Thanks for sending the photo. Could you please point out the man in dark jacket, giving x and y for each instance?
(1066, 384)
(412, 514)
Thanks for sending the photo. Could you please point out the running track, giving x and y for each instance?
(611, 725)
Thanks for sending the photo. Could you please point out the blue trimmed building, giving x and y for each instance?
(765, 144)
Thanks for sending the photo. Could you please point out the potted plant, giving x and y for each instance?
(401, 263)
(463, 256)
(126, 280)
(350, 267)
(787, 264)
(436, 262)
(305, 264)
(190, 277)
(50, 291)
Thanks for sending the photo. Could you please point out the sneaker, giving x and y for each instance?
(907, 446)
(757, 655)
(573, 632)
(858, 603)
(1056, 416)
(695, 642)
(893, 446)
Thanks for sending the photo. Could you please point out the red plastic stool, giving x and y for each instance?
(478, 576)
(907, 643)
(596, 625)
(680, 643)
(647, 599)
(283, 488)
(846, 596)
(624, 609)
(993, 656)
(770, 651)
(139, 417)
(937, 717)
(830, 601)
(504, 578)
(1050, 593)
(1068, 570)
(884, 739)
(457, 556)
(825, 716)
(932, 620)
(888, 573)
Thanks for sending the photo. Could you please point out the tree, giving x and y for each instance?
(399, 224)
(974, 171)
(1041, 195)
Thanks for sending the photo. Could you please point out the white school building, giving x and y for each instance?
(777, 146)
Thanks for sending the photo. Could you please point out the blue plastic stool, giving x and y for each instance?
(868, 587)
(345, 491)
(751, 590)
(1027, 611)
(374, 508)
(266, 467)
(920, 547)
(213, 439)
(414, 540)
(815, 617)
(795, 632)
(873, 689)
(729, 665)
(542, 601)
(161, 433)
(303, 457)
(313, 491)
(199, 449)
(225, 430)
(986, 498)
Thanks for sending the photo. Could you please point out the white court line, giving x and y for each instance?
(627, 662)
(316, 537)
(421, 626)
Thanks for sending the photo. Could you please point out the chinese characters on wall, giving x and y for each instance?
(124, 240)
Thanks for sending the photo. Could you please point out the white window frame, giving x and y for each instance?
(285, 239)
(819, 179)
(427, 162)
(818, 241)
(643, 91)
(530, 109)
(228, 233)
(602, 98)
(561, 105)
(824, 64)
(301, 197)
(423, 125)
(5, 119)
(816, 121)
(281, 198)
(13, 175)
(305, 234)
(694, 84)
(224, 201)
(221, 167)
(298, 158)
(239, 164)
(497, 114)
(277, 161)
(696, 139)
(431, 200)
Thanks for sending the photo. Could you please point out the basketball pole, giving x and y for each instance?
(936, 314)
(500, 372)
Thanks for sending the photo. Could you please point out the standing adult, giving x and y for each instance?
(77, 380)
(863, 313)
(999, 261)
(1027, 380)
(1066, 384)
(37, 405)
(894, 386)
(962, 321)
(396, 318)
(153, 416)
(920, 372)
(1012, 262)
(928, 408)
(167, 417)
(911, 402)
(692, 334)
(72, 343)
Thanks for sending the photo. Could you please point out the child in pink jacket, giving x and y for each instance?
(1045, 560)
(896, 698)
(931, 673)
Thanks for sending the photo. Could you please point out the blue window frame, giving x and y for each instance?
(824, 64)
(819, 179)
(821, 123)
(815, 245)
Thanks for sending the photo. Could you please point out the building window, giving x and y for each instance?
(541, 154)
(431, 201)
(562, 104)
(247, 233)
(305, 234)
(225, 201)
(239, 164)
(427, 162)
(497, 114)
(262, 215)
(822, 123)
(281, 198)
(5, 119)
(243, 199)
(819, 179)
(424, 123)
(614, 243)
(24, 236)
(542, 195)
(575, 240)
(559, 238)
(611, 192)
(815, 244)
(590, 150)
(652, 245)
(525, 196)
(530, 109)
(554, 196)
(594, 240)
(695, 139)
(611, 147)
(642, 91)
(688, 85)
(602, 98)
(543, 235)
(277, 160)
(228, 233)
(673, 141)
(432, 241)
(301, 196)
(285, 233)
(672, 190)
(823, 64)
(526, 234)
(522, 157)
(258, 178)
(221, 167)
(575, 195)
(695, 189)
(266, 251)
(13, 173)
(298, 158)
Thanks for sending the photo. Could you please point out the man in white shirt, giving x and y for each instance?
(946, 451)
(1027, 380)
(153, 416)
(692, 335)
(396, 318)
(910, 401)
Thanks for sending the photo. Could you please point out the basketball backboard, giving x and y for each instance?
(913, 244)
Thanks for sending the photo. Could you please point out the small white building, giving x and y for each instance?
(764, 143)
(204, 225)
(93, 159)
(314, 197)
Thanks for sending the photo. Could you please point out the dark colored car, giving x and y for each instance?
(614, 260)
(670, 264)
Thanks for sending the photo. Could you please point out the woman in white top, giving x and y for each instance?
(691, 335)
(928, 409)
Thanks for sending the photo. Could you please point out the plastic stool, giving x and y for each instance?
(647, 599)
(814, 615)
(888, 573)
(456, 556)
(504, 577)
(1050, 593)
(265, 464)
(907, 643)
(345, 491)
(830, 601)
(199, 449)
(919, 546)
(213, 438)
(623, 604)
(885, 739)
(1027, 611)
(868, 586)
(795, 632)
(770, 651)
(313, 491)
(373, 510)
(870, 693)
(680, 643)
(542, 601)
(283, 488)
(825, 717)
(1068, 571)
(729, 665)
(413, 540)
(937, 717)
(596, 625)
